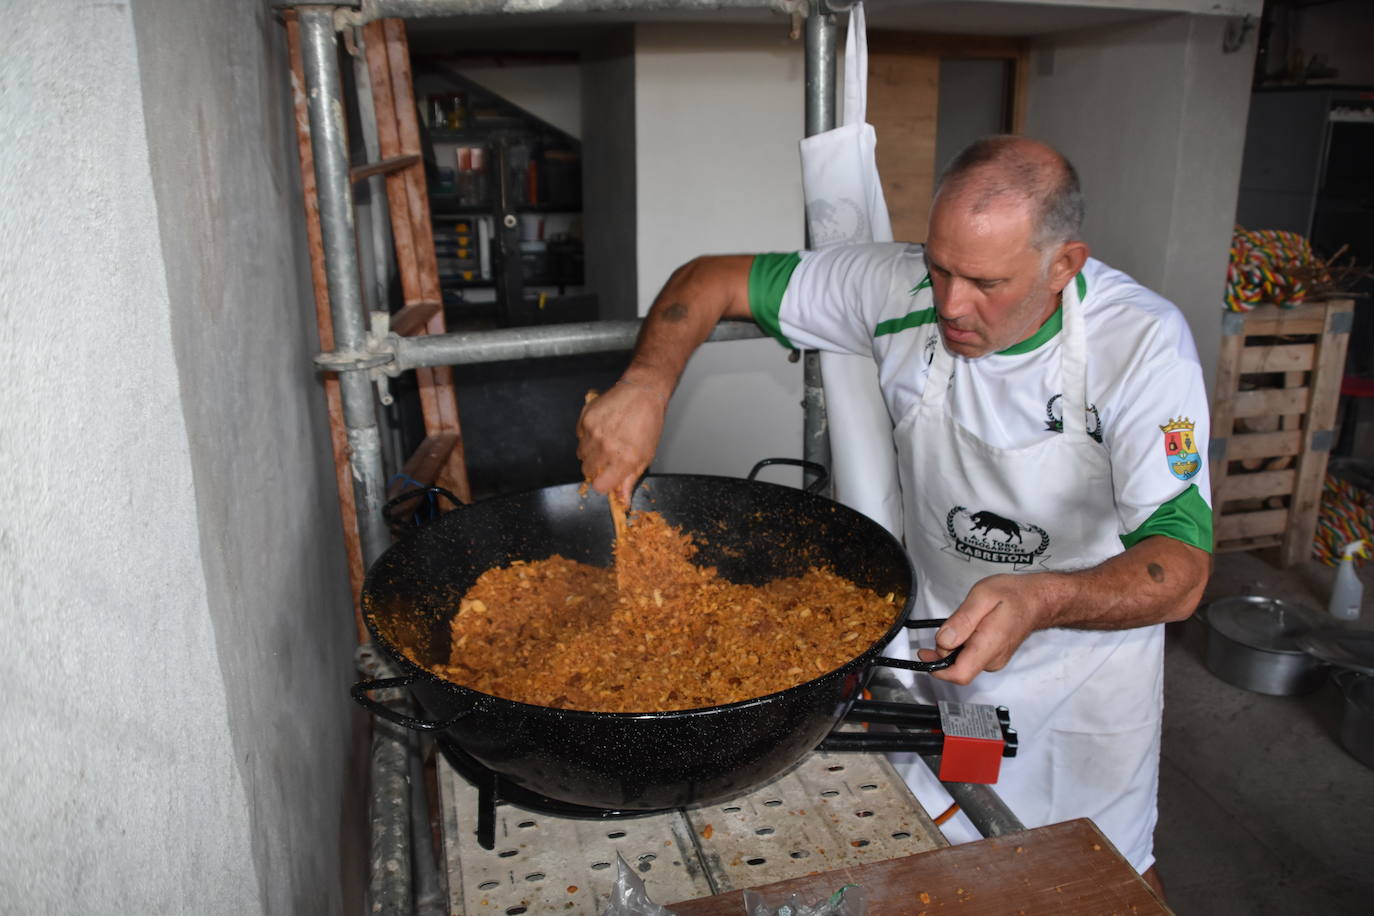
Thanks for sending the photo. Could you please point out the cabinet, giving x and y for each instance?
(505, 190)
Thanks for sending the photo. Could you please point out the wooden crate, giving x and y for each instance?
(1273, 408)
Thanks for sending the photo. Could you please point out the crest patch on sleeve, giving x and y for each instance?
(1180, 448)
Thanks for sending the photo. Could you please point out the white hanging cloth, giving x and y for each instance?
(845, 205)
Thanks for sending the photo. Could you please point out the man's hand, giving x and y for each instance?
(996, 617)
(618, 434)
(619, 431)
(1156, 581)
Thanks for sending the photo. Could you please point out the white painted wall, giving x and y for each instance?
(1153, 115)
(171, 575)
(718, 112)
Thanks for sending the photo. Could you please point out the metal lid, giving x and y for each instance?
(1261, 623)
(1344, 648)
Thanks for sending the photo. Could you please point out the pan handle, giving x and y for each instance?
(397, 519)
(820, 470)
(911, 665)
(359, 693)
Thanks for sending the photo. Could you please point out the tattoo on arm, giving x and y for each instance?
(675, 313)
(1156, 572)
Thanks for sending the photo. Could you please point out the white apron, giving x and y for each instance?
(1086, 704)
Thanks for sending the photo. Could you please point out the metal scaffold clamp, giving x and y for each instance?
(378, 358)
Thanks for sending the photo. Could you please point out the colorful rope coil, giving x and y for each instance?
(1270, 265)
(1346, 514)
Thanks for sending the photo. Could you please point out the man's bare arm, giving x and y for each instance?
(618, 432)
(1156, 581)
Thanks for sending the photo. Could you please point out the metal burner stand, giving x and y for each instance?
(831, 810)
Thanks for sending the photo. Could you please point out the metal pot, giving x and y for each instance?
(750, 531)
(1357, 723)
(1253, 643)
(1351, 653)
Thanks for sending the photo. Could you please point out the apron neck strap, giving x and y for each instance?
(1073, 366)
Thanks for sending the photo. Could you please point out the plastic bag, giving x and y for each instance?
(847, 901)
(628, 897)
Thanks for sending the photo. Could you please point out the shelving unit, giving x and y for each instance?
(499, 178)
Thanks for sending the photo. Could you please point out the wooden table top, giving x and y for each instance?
(1065, 869)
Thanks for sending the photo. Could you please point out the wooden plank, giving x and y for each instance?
(426, 464)
(398, 196)
(384, 167)
(1259, 485)
(1278, 358)
(1243, 446)
(1265, 402)
(1259, 543)
(1269, 320)
(1067, 869)
(398, 133)
(440, 379)
(1311, 463)
(338, 433)
(413, 319)
(1225, 384)
(454, 475)
(1251, 524)
(903, 95)
(408, 143)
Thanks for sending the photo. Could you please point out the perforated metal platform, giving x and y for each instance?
(828, 811)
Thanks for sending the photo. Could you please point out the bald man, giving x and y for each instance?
(1050, 421)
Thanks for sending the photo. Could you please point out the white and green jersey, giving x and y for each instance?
(1145, 388)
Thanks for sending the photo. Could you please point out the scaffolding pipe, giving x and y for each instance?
(535, 342)
(389, 888)
(319, 52)
(421, 9)
(820, 117)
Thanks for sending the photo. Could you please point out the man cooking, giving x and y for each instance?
(1050, 419)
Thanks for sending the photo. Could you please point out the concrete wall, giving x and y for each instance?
(171, 574)
(1153, 115)
(718, 112)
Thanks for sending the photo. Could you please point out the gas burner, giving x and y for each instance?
(493, 789)
(970, 740)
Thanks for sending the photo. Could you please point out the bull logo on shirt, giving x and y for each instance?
(993, 538)
(1180, 448)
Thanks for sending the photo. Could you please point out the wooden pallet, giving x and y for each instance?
(1274, 405)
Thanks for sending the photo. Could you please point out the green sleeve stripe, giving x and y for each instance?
(1186, 518)
(768, 277)
(909, 320)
